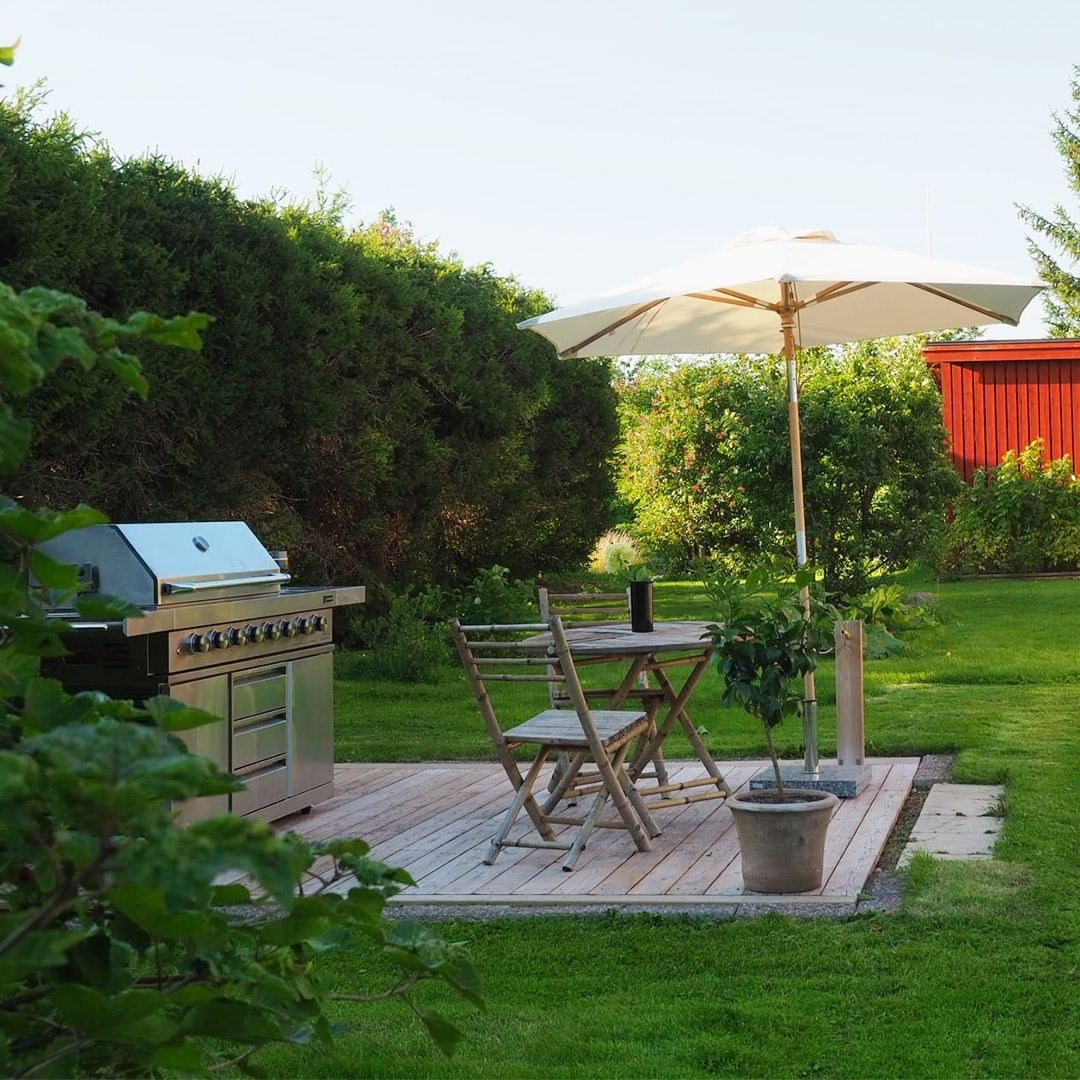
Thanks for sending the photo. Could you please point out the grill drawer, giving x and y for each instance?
(262, 739)
(260, 692)
(264, 786)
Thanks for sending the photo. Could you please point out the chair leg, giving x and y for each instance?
(638, 802)
(609, 769)
(522, 797)
(561, 763)
(659, 765)
(585, 829)
(569, 775)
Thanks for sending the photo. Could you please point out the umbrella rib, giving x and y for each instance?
(834, 292)
(748, 303)
(751, 301)
(1007, 319)
(614, 326)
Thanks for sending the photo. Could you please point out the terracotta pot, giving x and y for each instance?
(782, 842)
(641, 606)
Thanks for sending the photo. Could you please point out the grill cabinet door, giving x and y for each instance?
(311, 722)
(211, 740)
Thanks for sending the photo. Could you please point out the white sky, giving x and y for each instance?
(577, 145)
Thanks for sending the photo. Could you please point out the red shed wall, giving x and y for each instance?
(1000, 395)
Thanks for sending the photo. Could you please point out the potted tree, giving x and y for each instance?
(764, 646)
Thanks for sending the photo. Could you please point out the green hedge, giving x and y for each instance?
(361, 400)
(1023, 516)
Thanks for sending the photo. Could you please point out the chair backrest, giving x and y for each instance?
(585, 609)
(487, 652)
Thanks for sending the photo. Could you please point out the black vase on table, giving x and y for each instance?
(641, 607)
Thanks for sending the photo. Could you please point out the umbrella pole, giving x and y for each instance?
(787, 324)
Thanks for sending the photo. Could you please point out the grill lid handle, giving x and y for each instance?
(201, 586)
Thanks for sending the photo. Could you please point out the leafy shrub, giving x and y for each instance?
(889, 613)
(410, 643)
(1021, 517)
(368, 403)
(493, 597)
(705, 460)
(615, 552)
(119, 955)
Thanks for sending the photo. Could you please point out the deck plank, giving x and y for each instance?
(436, 820)
(673, 853)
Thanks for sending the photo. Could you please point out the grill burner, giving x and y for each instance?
(217, 631)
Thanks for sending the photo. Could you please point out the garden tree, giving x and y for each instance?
(1060, 232)
(361, 399)
(705, 460)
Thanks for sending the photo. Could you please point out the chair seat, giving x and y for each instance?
(560, 727)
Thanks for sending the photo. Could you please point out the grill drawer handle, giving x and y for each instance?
(260, 770)
(202, 586)
(243, 728)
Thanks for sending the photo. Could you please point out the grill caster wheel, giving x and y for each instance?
(304, 810)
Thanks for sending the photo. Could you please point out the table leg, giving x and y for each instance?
(679, 712)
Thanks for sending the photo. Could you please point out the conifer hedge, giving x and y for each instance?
(361, 400)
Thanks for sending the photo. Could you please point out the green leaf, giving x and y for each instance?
(99, 606)
(310, 917)
(7, 53)
(47, 703)
(236, 1021)
(38, 949)
(19, 777)
(461, 975)
(230, 895)
(183, 1056)
(55, 344)
(172, 715)
(53, 574)
(145, 906)
(445, 1036)
(183, 331)
(15, 432)
(35, 527)
(128, 370)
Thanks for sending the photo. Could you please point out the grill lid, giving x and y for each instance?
(169, 563)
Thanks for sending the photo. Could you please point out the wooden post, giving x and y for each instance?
(787, 312)
(850, 724)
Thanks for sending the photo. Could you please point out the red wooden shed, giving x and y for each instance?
(1001, 395)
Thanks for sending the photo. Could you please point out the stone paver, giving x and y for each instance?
(956, 822)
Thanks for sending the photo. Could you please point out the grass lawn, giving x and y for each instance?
(978, 976)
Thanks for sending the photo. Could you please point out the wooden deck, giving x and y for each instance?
(436, 821)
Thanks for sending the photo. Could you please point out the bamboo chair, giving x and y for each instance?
(602, 737)
(600, 609)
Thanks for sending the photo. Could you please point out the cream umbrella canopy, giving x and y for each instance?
(774, 290)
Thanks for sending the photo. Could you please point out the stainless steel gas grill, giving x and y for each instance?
(218, 630)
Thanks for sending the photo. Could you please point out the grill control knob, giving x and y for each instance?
(198, 643)
(255, 634)
(304, 626)
(272, 631)
(287, 628)
(236, 637)
(319, 622)
(219, 639)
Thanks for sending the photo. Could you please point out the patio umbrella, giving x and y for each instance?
(773, 290)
